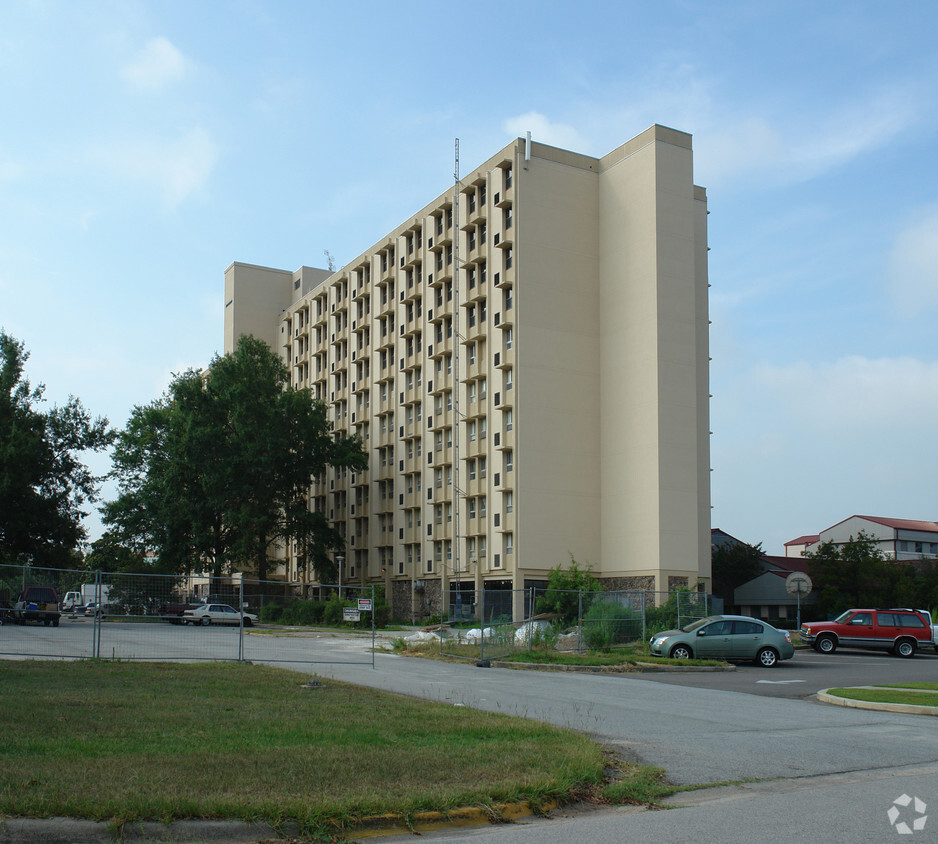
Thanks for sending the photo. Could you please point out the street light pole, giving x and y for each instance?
(339, 560)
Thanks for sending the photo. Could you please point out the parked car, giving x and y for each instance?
(728, 637)
(900, 630)
(37, 603)
(217, 614)
(93, 608)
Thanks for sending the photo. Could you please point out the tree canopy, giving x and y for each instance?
(218, 469)
(732, 565)
(857, 573)
(44, 485)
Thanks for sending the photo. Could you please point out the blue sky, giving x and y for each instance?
(144, 146)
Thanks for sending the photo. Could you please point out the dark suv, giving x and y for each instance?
(902, 631)
(37, 603)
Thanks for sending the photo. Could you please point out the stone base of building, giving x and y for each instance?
(628, 584)
(415, 601)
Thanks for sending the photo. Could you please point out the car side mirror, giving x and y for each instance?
(701, 632)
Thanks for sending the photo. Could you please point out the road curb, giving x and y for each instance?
(824, 696)
(69, 830)
(467, 816)
(637, 668)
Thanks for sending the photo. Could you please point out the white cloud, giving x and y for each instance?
(913, 265)
(853, 393)
(544, 131)
(735, 148)
(155, 66)
(177, 169)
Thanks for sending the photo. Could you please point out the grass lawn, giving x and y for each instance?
(625, 656)
(892, 694)
(133, 741)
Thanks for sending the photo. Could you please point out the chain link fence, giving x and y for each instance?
(113, 615)
(478, 623)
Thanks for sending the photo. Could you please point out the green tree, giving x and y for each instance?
(733, 564)
(855, 573)
(108, 553)
(219, 468)
(564, 586)
(44, 485)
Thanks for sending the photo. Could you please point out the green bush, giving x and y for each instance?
(563, 591)
(683, 605)
(332, 612)
(270, 613)
(607, 623)
(303, 612)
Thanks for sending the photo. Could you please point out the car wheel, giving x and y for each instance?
(206, 620)
(55, 622)
(905, 648)
(248, 622)
(767, 658)
(681, 652)
(826, 644)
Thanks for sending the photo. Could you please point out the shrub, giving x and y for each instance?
(563, 591)
(270, 613)
(303, 612)
(607, 623)
(683, 605)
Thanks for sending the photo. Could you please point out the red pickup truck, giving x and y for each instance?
(902, 631)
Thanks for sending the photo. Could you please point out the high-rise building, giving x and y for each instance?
(526, 362)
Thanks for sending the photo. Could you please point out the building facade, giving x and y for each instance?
(526, 362)
(898, 539)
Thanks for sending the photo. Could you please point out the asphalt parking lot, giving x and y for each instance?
(808, 672)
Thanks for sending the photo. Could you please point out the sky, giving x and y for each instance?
(145, 145)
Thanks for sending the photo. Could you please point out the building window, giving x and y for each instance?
(509, 502)
(509, 544)
(509, 460)
(508, 419)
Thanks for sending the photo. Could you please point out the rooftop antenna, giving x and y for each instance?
(330, 259)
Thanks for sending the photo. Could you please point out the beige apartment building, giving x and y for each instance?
(526, 362)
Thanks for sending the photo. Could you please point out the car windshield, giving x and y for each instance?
(842, 618)
(700, 622)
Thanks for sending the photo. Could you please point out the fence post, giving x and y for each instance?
(96, 619)
(644, 623)
(482, 625)
(241, 619)
(374, 609)
(579, 621)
